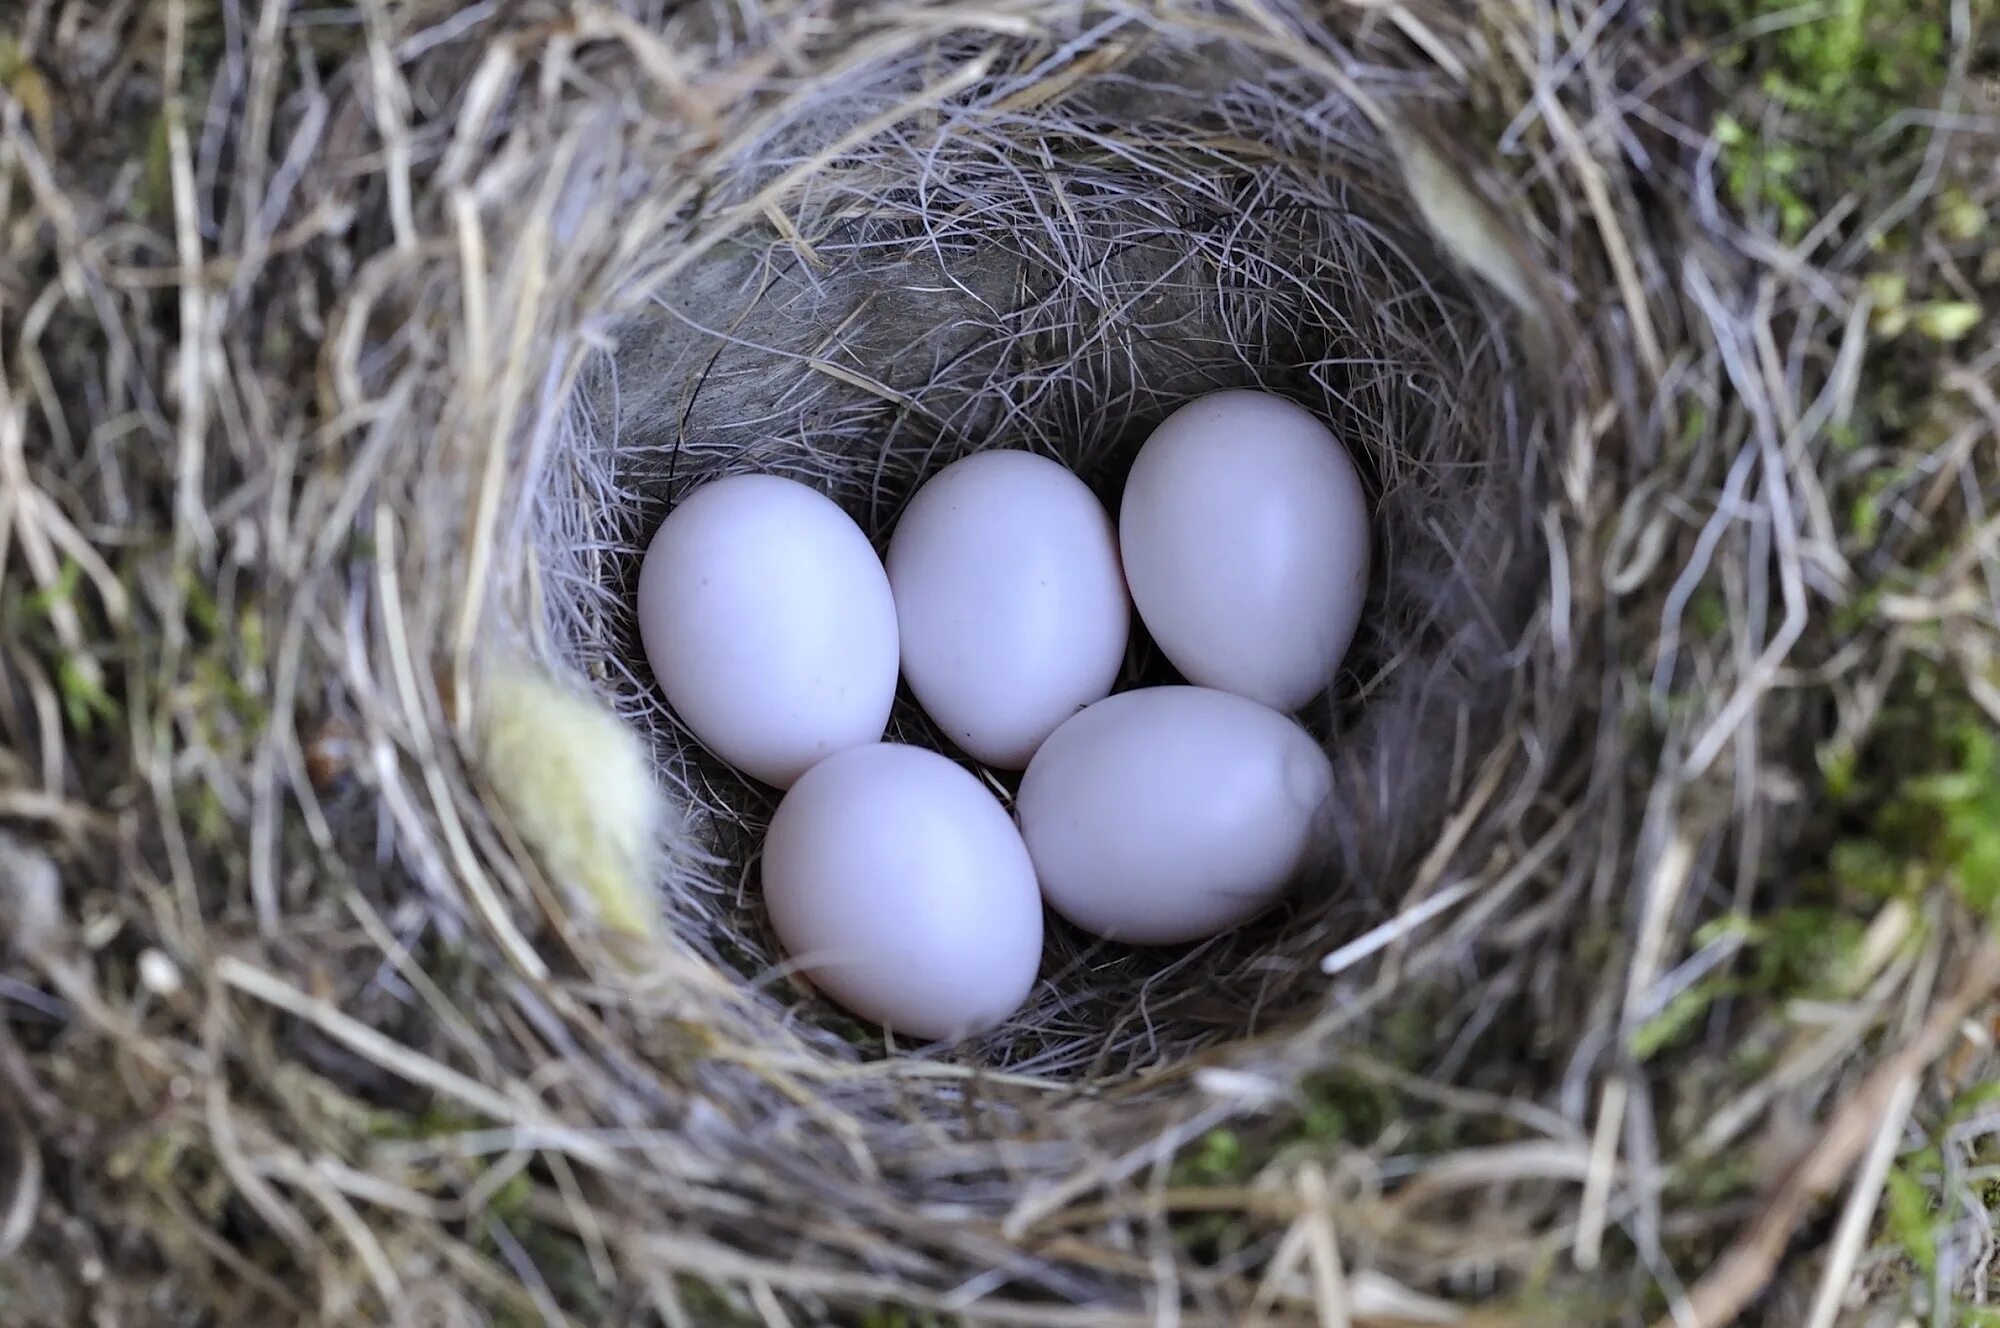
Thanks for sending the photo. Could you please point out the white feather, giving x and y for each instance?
(578, 786)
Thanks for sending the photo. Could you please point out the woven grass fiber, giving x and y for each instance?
(378, 949)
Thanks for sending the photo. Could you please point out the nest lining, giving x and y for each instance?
(1002, 271)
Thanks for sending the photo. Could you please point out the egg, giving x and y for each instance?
(769, 623)
(1010, 599)
(1170, 814)
(897, 883)
(1245, 537)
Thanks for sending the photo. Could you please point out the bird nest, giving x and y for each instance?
(883, 280)
(477, 1009)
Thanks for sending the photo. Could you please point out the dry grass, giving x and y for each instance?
(349, 351)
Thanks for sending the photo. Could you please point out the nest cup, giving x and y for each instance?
(893, 278)
(851, 262)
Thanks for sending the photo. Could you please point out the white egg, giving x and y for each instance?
(1010, 599)
(1245, 537)
(896, 881)
(768, 621)
(1173, 813)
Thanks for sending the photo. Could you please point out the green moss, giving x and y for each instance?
(1864, 515)
(1719, 1180)
(1808, 950)
(1694, 431)
(28, 87)
(1220, 1157)
(1925, 1161)
(42, 603)
(1216, 1158)
(153, 199)
(1847, 63)
(1342, 1108)
(1946, 320)
(1803, 950)
(1829, 80)
(1859, 612)
(1869, 867)
(1906, 1214)
(84, 699)
(1681, 1014)
(509, 1203)
(435, 1121)
(79, 677)
(1960, 216)
(1762, 175)
(1973, 1101)
(204, 616)
(1334, 1110)
(1708, 612)
(1927, 806)
(250, 635)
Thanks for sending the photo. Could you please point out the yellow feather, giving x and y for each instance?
(577, 784)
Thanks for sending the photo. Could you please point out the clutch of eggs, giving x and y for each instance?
(895, 880)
